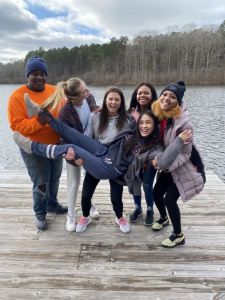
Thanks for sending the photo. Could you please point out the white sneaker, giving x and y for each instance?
(70, 222)
(93, 212)
(23, 142)
(33, 109)
(124, 226)
(81, 226)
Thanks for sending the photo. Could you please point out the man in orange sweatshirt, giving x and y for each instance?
(44, 172)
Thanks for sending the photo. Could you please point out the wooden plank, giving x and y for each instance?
(65, 294)
(103, 262)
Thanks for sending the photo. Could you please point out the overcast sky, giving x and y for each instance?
(28, 25)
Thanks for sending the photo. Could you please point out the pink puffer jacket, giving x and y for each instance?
(188, 180)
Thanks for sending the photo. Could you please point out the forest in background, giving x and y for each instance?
(196, 56)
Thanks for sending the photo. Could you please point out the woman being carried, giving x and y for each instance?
(185, 178)
(125, 156)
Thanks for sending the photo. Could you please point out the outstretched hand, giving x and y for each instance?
(70, 155)
(185, 135)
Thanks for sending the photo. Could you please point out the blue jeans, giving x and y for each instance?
(96, 157)
(148, 177)
(43, 171)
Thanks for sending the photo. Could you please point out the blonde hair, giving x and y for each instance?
(173, 113)
(69, 88)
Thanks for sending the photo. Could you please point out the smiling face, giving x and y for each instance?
(37, 81)
(168, 100)
(144, 97)
(146, 125)
(113, 103)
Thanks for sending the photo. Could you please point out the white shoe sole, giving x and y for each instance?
(70, 229)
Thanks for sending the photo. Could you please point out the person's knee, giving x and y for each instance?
(42, 188)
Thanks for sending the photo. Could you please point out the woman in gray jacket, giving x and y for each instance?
(103, 128)
(185, 178)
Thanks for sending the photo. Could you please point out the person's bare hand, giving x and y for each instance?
(79, 161)
(43, 119)
(135, 114)
(154, 163)
(97, 110)
(185, 135)
(70, 154)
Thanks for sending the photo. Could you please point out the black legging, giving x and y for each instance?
(89, 186)
(163, 185)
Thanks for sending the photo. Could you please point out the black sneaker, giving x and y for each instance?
(149, 219)
(135, 215)
(41, 222)
(59, 209)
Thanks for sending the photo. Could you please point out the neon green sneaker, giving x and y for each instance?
(158, 225)
(173, 241)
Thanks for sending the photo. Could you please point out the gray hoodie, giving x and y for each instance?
(109, 134)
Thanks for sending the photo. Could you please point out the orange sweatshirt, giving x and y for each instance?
(19, 121)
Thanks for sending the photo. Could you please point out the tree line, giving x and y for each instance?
(196, 56)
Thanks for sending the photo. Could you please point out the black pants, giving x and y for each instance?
(89, 186)
(165, 185)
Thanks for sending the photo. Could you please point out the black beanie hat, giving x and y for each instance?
(35, 63)
(177, 88)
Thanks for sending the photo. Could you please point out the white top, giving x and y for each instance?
(84, 113)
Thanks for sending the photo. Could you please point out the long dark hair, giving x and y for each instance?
(104, 115)
(146, 143)
(133, 101)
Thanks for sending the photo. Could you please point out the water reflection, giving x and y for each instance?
(205, 104)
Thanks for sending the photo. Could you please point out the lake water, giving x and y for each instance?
(205, 103)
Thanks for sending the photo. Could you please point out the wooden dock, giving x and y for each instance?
(103, 262)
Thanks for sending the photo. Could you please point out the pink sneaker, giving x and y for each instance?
(124, 226)
(81, 226)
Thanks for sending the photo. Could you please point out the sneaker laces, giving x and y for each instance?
(41, 218)
(149, 213)
(122, 221)
(82, 221)
(71, 218)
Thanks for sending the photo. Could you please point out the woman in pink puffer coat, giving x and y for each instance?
(186, 177)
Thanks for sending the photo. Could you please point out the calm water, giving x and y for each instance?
(205, 103)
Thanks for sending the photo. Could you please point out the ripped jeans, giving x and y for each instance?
(43, 171)
(148, 177)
